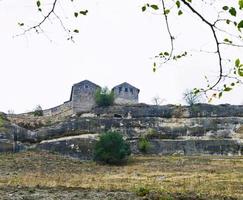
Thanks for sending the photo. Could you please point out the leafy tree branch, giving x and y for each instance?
(216, 32)
(52, 12)
(38, 25)
(226, 24)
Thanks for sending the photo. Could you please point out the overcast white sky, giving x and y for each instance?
(115, 44)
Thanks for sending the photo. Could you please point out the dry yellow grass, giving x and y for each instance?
(202, 175)
(239, 132)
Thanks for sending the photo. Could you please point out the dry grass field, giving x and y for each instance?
(144, 177)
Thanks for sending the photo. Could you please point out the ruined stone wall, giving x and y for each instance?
(83, 97)
(125, 94)
(50, 116)
(63, 110)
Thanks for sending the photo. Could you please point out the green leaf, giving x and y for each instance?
(76, 31)
(154, 67)
(180, 12)
(220, 94)
(225, 8)
(232, 11)
(178, 4)
(21, 24)
(227, 21)
(166, 54)
(227, 89)
(83, 12)
(167, 11)
(237, 62)
(155, 7)
(144, 8)
(240, 25)
(240, 71)
(196, 91)
(189, 1)
(227, 40)
(75, 14)
(38, 3)
(241, 4)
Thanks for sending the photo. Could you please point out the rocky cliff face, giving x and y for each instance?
(200, 129)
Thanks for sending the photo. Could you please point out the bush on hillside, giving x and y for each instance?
(104, 97)
(111, 149)
(38, 111)
(2, 119)
(144, 145)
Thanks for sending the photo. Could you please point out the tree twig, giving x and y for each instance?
(38, 25)
(212, 27)
(169, 32)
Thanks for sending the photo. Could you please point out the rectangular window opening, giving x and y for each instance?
(120, 89)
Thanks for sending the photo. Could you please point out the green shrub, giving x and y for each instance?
(144, 145)
(142, 191)
(38, 111)
(1, 121)
(111, 149)
(151, 134)
(104, 97)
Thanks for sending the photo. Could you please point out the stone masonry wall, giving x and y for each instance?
(125, 94)
(63, 109)
(83, 97)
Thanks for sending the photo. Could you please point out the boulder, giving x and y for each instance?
(75, 146)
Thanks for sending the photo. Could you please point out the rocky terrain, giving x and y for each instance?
(199, 129)
(32, 165)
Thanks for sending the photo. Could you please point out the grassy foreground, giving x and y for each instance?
(156, 177)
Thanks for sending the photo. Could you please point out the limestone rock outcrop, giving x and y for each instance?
(199, 129)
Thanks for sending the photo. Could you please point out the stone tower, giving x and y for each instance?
(83, 96)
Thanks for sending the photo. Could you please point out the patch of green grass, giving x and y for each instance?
(1, 123)
(142, 191)
(144, 145)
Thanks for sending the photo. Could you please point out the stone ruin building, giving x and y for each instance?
(82, 98)
(125, 94)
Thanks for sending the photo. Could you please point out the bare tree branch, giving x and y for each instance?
(169, 32)
(212, 27)
(38, 25)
